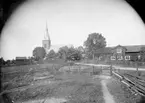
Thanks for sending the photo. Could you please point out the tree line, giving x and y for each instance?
(93, 42)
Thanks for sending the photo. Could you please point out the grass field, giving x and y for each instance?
(46, 81)
(75, 88)
(17, 76)
(74, 83)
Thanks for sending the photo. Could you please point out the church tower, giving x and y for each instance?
(46, 43)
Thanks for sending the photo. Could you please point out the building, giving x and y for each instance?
(120, 53)
(21, 61)
(46, 43)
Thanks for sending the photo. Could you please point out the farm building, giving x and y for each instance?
(21, 60)
(120, 53)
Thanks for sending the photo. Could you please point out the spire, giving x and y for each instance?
(46, 42)
(46, 35)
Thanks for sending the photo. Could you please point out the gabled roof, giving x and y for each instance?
(119, 46)
(134, 48)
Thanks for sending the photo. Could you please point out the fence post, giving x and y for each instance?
(79, 69)
(101, 69)
(111, 70)
(137, 74)
(93, 71)
(137, 69)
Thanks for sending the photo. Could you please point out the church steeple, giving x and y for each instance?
(46, 43)
(46, 35)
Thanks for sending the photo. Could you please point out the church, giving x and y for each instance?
(46, 42)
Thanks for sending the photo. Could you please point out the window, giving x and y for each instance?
(139, 56)
(127, 57)
(119, 50)
(113, 58)
(120, 58)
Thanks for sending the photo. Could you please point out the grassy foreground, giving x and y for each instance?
(75, 88)
(46, 82)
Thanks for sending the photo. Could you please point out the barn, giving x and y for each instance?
(21, 61)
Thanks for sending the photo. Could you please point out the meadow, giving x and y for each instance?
(57, 80)
(71, 82)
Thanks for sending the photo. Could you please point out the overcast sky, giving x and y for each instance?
(70, 22)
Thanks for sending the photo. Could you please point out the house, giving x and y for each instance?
(21, 61)
(120, 53)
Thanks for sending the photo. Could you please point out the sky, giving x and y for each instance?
(69, 22)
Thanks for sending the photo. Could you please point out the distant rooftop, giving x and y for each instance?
(134, 48)
(56, 47)
(130, 48)
(20, 58)
(105, 50)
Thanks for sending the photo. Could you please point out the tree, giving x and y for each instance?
(69, 53)
(74, 56)
(51, 54)
(39, 53)
(81, 49)
(2, 62)
(63, 52)
(94, 42)
(8, 62)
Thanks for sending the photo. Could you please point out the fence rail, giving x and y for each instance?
(134, 85)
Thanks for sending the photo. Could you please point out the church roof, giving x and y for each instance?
(55, 47)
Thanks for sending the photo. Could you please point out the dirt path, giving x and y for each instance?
(107, 96)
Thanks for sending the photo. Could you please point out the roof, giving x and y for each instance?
(130, 48)
(134, 48)
(20, 58)
(105, 50)
(55, 47)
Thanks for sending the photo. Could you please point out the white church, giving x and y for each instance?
(46, 42)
